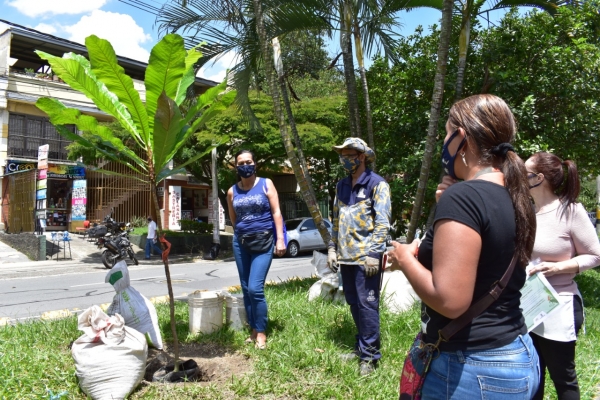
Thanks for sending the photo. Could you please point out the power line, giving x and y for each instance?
(140, 5)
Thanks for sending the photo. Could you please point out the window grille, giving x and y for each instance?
(27, 133)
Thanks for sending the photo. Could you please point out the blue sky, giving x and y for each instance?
(131, 30)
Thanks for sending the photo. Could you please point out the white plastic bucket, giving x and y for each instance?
(206, 312)
(235, 313)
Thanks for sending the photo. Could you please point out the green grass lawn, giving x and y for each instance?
(301, 362)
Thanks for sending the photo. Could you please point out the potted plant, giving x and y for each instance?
(29, 72)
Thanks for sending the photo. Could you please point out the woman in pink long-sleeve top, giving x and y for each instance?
(566, 243)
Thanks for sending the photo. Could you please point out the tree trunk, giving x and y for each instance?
(309, 198)
(365, 87)
(288, 108)
(349, 77)
(215, 197)
(167, 271)
(436, 106)
(463, 48)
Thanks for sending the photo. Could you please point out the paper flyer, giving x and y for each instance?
(538, 300)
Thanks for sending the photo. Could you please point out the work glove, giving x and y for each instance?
(332, 259)
(371, 266)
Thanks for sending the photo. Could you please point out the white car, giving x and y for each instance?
(303, 235)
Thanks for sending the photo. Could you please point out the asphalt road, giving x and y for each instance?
(27, 292)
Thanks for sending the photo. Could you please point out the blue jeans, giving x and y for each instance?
(511, 372)
(150, 243)
(253, 269)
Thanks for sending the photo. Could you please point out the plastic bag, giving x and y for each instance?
(328, 285)
(110, 357)
(138, 312)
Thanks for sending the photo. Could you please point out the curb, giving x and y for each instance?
(66, 313)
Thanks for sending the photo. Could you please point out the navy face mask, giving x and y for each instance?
(447, 159)
(246, 171)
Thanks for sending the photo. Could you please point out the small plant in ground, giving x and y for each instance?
(138, 222)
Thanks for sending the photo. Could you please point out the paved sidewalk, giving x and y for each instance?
(8, 255)
(84, 256)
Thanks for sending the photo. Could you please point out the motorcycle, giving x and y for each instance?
(108, 226)
(116, 248)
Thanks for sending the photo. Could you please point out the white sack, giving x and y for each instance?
(110, 358)
(327, 286)
(396, 292)
(138, 312)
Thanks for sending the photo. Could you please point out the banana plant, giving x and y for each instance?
(158, 127)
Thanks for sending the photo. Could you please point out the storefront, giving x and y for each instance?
(179, 200)
(60, 196)
(18, 196)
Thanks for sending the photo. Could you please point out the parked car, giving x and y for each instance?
(303, 235)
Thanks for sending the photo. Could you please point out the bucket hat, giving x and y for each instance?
(356, 144)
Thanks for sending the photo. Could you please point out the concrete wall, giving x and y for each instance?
(31, 245)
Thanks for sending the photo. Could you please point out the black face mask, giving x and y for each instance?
(537, 184)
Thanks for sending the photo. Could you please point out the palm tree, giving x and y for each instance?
(232, 25)
(436, 106)
(157, 128)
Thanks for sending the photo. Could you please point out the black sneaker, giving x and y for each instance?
(366, 368)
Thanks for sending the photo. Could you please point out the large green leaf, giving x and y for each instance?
(193, 55)
(217, 106)
(76, 71)
(113, 173)
(165, 172)
(61, 115)
(167, 125)
(104, 64)
(205, 100)
(164, 72)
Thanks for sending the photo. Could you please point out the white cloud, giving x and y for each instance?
(216, 71)
(35, 8)
(121, 30)
(49, 29)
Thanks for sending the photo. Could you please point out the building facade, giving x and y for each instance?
(55, 189)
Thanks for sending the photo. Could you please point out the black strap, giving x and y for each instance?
(480, 305)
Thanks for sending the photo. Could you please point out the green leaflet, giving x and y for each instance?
(167, 125)
(104, 64)
(76, 71)
(193, 55)
(61, 115)
(165, 70)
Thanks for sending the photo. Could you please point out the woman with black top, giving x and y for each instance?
(479, 225)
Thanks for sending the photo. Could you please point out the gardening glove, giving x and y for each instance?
(332, 259)
(371, 266)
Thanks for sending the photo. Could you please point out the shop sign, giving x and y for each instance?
(66, 171)
(43, 152)
(79, 200)
(18, 166)
(160, 191)
(40, 194)
(174, 207)
(43, 164)
(42, 184)
(42, 174)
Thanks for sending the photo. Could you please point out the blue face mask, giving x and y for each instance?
(447, 159)
(350, 164)
(246, 171)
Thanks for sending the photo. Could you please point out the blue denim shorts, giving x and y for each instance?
(511, 372)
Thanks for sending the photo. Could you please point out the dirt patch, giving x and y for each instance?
(216, 363)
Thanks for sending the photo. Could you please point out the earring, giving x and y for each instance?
(462, 155)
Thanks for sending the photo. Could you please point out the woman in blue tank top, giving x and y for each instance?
(258, 228)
